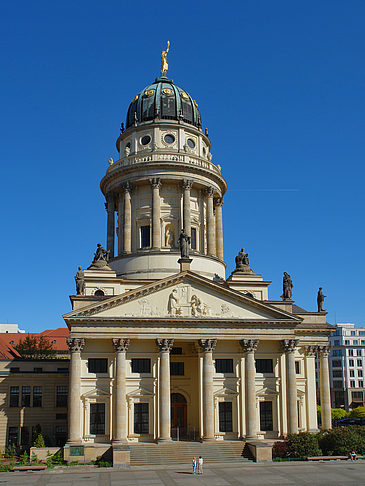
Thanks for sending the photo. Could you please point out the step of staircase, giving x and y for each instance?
(183, 452)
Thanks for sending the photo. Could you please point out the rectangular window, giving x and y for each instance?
(38, 370)
(24, 436)
(297, 367)
(141, 418)
(359, 362)
(25, 396)
(266, 422)
(264, 366)
(352, 373)
(176, 368)
(225, 416)
(355, 341)
(336, 363)
(13, 435)
(353, 333)
(14, 370)
(224, 365)
(61, 396)
(356, 396)
(339, 399)
(337, 383)
(359, 351)
(175, 350)
(352, 383)
(337, 373)
(361, 333)
(351, 362)
(361, 384)
(37, 396)
(97, 418)
(337, 342)
(145, 237)
(141, 365)
(359, 373)
(97, 365)
(14, 396)
(351, 352)
(61, 416)
(193, 239)
(62, 370)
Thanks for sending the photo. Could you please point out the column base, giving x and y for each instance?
(161, 441)
(118, 442)
(251, 437)
(208, 439)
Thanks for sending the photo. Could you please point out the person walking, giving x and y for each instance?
(200, 465)
(194, 465)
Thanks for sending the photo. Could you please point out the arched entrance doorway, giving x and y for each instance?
(178, 416)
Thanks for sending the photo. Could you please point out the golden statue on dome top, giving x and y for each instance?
(164, 65)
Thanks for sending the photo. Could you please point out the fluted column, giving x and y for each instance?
(209, 192)
(249, 347)
(219, 227)
(324, 387)
(127, 223)
(74, 419)
(156, 226)
(207, 345)
(310, 389)
(289, 346)
(165, 346)
(110, 207)
(187, 185)
(120, 400)
(120, 223)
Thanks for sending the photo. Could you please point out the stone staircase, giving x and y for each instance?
(183, 452)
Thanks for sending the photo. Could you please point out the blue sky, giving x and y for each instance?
(280, 85)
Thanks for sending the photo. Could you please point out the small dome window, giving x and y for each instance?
(204, 151)
(149, 92)
(191, 143)
(184, 95)
(99, 293)
(145, 140)
(167, 91)
(169, 138)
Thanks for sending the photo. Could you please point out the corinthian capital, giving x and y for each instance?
(249, 345)
(155, 183)
(323, 351)
(289, 345)
(164, 344)
(218, 201)
(75, 344)
(310, 350)
(127, 187)
(121, 344)
(110, 201)
(207, 345)
(187, 184)
(209, 191)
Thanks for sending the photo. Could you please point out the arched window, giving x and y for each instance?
(99, 293)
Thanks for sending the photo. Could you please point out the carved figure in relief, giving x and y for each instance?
(225, 310)
(170, 236)
(173, 306)
(197, 307)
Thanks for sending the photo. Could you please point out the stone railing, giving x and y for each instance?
(167, 157)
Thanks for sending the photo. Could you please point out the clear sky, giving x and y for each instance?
(280, 86)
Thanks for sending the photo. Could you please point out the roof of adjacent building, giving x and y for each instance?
(57, 337)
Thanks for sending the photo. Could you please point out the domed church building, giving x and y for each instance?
(163, 346)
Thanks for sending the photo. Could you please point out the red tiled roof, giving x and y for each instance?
(6, 350)
(57, 337)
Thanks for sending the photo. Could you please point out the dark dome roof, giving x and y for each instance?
(163, 100)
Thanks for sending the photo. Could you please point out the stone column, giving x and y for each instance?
(209, 192)
(207, 345)
(127, 226)
(187, 185)
(289, 346)
(74, 419)
(324, 387)
(219, 227)
(120, 223)
(249, 347)
(120, 390)
(165, 346)
(156, 226)
(110, 207)
(310, 389)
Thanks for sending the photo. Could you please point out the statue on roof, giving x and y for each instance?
(101, 254)
(287, 287)
(80, 281)
(184, 243)
(164, 65)
(320, 300)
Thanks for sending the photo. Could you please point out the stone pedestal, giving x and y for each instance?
(184, 264)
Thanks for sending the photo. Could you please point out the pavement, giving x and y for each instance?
(332, 473)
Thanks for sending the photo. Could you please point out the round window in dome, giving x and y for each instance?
(145, 140)
(184, 95)
(191, 143)
(169, 138)
(167, 91)
(149, 92)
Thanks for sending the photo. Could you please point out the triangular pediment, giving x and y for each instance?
(224, 392)
(140, 392)
(266, 392)
(95, 392)
(183, 296)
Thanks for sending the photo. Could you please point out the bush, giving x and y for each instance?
(280, 449)
(338, 413)
(39, 441)
(358, 412)
(58, 458)
(303, 444)
(24, 458)
(104, 464)
(10, 451)
(342, 440)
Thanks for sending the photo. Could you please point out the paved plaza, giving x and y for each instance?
(287, 474)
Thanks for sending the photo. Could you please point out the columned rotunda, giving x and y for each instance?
(167, 348)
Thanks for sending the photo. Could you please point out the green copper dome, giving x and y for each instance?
(163, 100)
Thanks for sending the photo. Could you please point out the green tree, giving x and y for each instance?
(35, 347)
(338, 413)
(358, 412)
